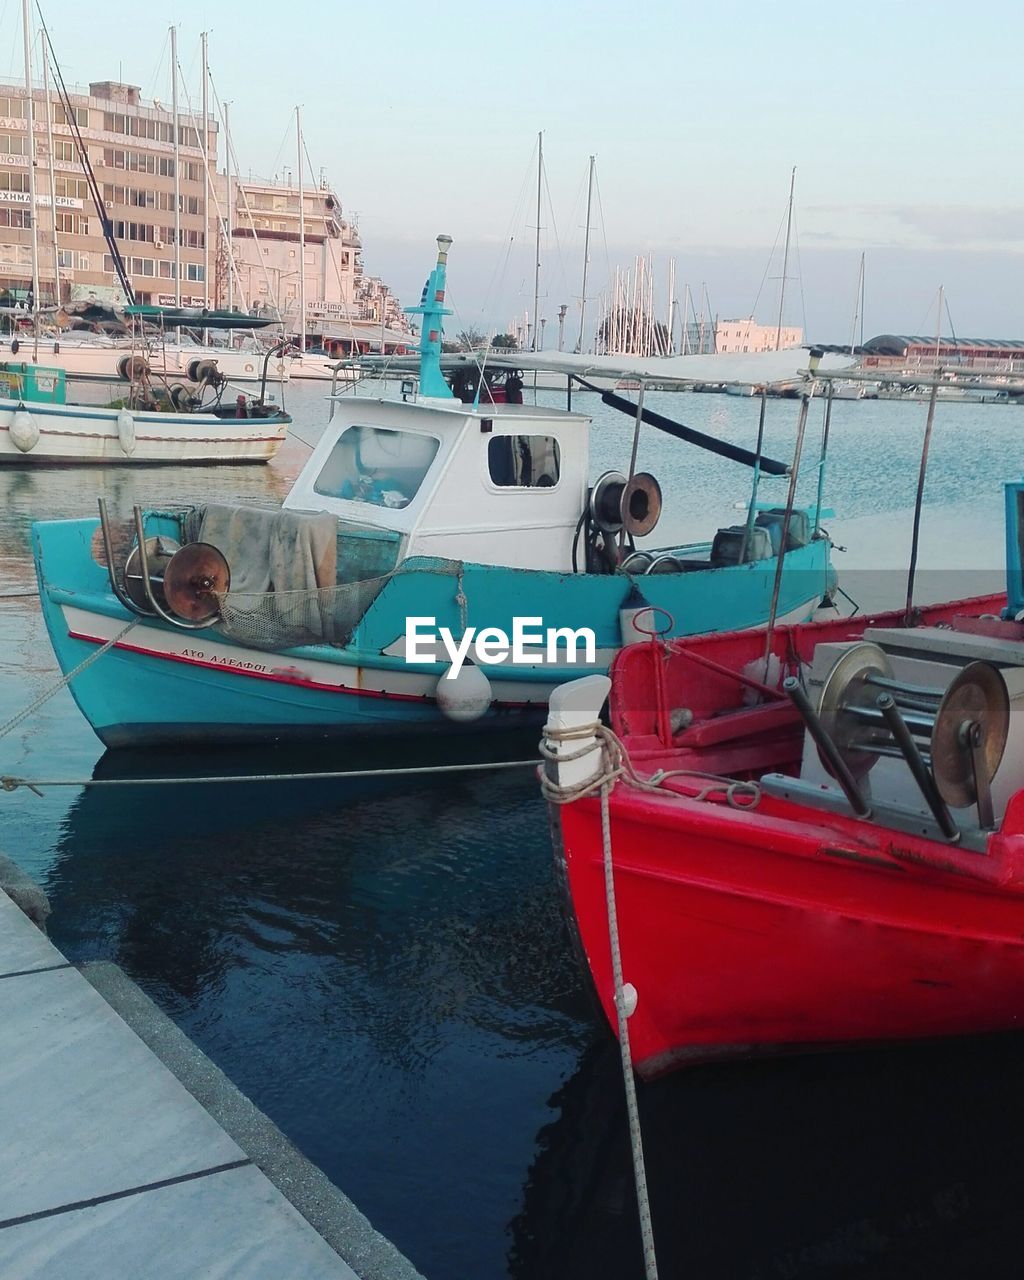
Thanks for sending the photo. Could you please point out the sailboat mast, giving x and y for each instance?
(53, 180)
(302, 235)
(586, 258)
(670, 335)
(857, 305)
(536, 270)
(177, 167)
(231, 208)
(31, 123)
(785, 259)
(938, 325)
(206, 171)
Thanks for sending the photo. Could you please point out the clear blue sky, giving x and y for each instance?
(901, 120)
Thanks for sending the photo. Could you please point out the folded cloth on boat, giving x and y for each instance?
(283, 573)
(270, 549)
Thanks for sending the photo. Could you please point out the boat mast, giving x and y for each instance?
(785, 259)
(586, 259)
(231, 208)
(206, 173)
(938, 328)
(31, 122)
(536, 270)
(670, 336)
(53, 180)
(177, 167)
(858, 307)
(302, 236)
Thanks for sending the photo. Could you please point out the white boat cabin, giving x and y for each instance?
(500, 484)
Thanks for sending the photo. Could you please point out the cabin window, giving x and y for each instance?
(523, 462)
(377, 466)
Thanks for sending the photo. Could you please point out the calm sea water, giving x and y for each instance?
(382, 967)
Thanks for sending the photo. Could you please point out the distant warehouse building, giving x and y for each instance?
(984, 355)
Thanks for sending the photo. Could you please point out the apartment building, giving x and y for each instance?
(747, 335)
(131, 147)
(267, 240)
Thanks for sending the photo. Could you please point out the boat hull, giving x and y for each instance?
(81, 434)
(162, 685)
(743, 937)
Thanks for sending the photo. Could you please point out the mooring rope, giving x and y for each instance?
(65, 680)
(614, 764)
(12, 783)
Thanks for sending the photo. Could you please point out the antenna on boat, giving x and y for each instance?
(432, 309)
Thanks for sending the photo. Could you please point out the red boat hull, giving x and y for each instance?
(745, 936)
(781, 927)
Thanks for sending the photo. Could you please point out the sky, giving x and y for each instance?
(899, 118)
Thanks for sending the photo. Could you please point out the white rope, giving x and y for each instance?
(11, 783)
(612, 761)
(64, 680)
(615, 764)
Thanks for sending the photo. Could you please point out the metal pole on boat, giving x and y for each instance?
(909, 611)
(751, 510)
(670, 336)
(794, 473)
(53, 179)
(536, 269)
(31, 126)
(302, 238)
(821, 460)
(586, 259)
(632, 456)
(785, 259)
(177, 169)
(206, 179)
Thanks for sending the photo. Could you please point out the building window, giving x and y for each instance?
(14, 218)
(194, 271)
(65, 258)
(523, 462)
(13, 144)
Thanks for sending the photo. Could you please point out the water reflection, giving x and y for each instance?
(882, 1163)
(381, 965)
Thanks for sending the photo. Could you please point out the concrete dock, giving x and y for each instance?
(126, 1153)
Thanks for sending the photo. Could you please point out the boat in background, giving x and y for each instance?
(137, 421)
(255, 625)
(816, 838)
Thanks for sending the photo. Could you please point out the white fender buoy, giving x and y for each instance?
(24, 430)
(634, 604)
(467, 696)
(126, 431)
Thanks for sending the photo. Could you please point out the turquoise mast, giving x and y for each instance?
(432, 310)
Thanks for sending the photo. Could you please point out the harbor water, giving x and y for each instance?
(381, 965)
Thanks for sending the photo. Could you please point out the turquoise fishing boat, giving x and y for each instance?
(439, 563)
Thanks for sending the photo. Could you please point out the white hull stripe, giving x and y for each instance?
(306, 673)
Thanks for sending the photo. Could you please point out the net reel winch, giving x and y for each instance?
(183, 585)
(952, 739)
(618, 507)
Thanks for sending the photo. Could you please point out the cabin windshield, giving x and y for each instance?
(378, 466)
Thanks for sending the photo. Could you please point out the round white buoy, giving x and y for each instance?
(634, 605)
(126, 431)
(24, 430)
(466, 697)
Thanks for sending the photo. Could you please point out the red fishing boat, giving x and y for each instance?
(816, 836)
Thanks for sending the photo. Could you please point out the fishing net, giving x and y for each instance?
(325, 615)
(284, 619)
